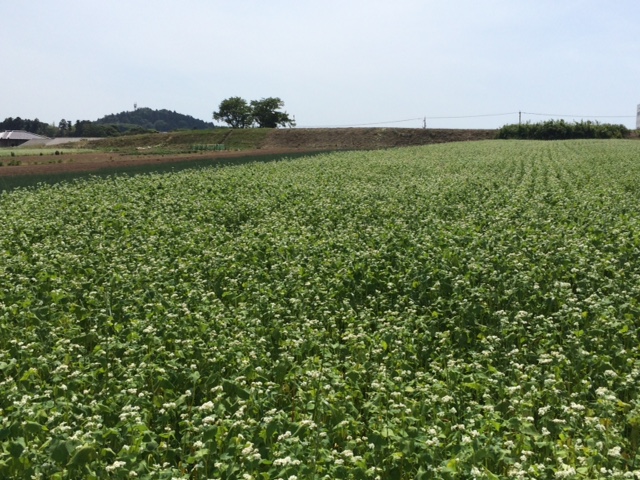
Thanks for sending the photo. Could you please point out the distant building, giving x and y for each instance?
(15, 138)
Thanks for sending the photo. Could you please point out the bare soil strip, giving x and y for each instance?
(96, 162)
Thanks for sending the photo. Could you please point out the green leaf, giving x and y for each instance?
(82, 456)
(397, 455)
(490, 475)
(60, 451)
(451, 466)
(422, 474)
(202, 453)
(473, 386)
(232, 389)
(272, 428)
(16, 447)
(151, 446)
(528, 429)
(387, 433)
(34, 427)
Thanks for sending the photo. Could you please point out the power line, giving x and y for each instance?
(469, 116)
(410, 120)
(364, 124)
(582, 116)
(475, 116)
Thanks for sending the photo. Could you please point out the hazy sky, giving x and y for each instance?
(333, 62)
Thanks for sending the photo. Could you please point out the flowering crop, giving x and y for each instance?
(451, 311)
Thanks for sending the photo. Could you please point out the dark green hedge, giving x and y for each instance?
(561, 130)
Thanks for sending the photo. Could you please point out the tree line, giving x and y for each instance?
(68, 128)
(32, 126)
(265, 113)
(234, 111)
(561, 130)
(140, 120)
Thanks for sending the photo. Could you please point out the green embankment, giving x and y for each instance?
(182, 141)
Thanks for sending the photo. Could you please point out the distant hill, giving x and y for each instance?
(160, 120)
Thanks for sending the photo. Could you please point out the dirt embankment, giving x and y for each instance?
(368, 138)
(275, 142)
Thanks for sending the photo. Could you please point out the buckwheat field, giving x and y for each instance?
(463, 310)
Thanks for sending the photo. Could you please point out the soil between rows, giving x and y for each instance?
(98, 162)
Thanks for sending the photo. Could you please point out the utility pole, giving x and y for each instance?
(519, 118)
(424, 122)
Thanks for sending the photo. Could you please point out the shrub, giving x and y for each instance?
(561, 130)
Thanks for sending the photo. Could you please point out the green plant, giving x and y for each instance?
(561, 130)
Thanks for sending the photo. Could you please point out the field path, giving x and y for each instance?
(97, 162)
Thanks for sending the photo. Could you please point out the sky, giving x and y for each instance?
(334, 63)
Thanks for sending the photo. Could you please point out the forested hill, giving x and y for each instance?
(161, 120)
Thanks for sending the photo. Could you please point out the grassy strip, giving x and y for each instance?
(23, 152)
